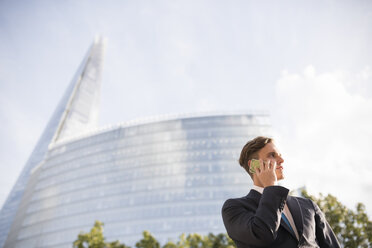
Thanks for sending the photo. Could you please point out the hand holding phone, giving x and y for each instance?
(265, 175)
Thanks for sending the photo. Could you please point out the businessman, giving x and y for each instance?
(268, 216)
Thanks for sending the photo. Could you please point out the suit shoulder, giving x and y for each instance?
(303, 198)
(233, 201)
(245, 201)
(305, 201)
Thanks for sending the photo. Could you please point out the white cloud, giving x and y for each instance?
(324, 129)
(365, 74)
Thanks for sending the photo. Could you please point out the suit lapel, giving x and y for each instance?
(296, 212)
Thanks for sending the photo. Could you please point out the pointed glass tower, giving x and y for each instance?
(76, 112)
(168, 175)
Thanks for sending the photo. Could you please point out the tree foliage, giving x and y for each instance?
(199, 241)
(353, 228)
(148, 241)
(95, 239)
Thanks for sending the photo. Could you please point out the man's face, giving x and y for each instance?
(270, 152)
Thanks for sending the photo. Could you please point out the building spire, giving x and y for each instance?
(81, 102)
(77, 111)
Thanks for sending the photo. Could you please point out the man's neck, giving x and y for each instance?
(256, 182)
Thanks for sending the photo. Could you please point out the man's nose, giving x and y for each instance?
(281, 160)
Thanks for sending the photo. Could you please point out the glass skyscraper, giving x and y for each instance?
(168, 175)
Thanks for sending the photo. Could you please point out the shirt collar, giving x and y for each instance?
(258, 189)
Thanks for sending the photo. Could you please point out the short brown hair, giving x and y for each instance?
(251, 149)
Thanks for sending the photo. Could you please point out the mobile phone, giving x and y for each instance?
(254, 165)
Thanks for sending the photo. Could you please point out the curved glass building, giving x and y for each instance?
(168, 176)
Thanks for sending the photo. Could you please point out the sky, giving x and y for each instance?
(308, 63)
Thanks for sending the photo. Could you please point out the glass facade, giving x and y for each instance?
(168, 177)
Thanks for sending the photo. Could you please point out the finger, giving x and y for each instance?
(274, 164)
(269, 165)
(262, 165)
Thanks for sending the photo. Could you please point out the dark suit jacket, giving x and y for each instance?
(255, 221)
